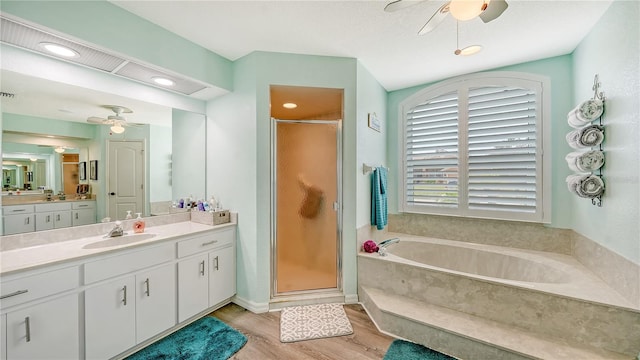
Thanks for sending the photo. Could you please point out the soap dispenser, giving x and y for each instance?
(138, 226)
(128, 217)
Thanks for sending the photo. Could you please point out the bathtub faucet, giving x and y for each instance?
(385, 243)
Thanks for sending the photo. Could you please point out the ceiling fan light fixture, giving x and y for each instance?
(59, 149)
(59, 50)
(163, 81)
(33, 159)
(468, 50)
(117, 129)
(464, 10)
(289, 105)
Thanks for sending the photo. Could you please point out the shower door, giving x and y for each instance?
(306, 206)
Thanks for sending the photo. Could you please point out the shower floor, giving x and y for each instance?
(294, 277)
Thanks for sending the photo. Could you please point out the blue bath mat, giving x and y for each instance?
(404, 350)
(207, 338)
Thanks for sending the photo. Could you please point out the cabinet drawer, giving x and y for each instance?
(36, 286)
(83, 205)
(206, 242)
(126, 263)
(53, 207)
(17, 209)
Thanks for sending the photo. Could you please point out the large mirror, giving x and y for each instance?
(47, 143)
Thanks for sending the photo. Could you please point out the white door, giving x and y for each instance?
(193, 286)
(222, 279)
(45, 331)
(110, 318)
(156, 301)
(125, 178)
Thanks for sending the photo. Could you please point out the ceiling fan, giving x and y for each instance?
(117, 121)
(462, 10)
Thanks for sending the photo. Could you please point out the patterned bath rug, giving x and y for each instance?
(405, 350)
(204, 339)
(308, 322)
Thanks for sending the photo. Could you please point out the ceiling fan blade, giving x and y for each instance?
(494, 9)
(400, 4)
(96, 120)
(435, 19)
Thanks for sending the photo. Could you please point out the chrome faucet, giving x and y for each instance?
(382, 251)
(116, 231)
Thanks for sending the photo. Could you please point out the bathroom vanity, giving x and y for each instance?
(98, 298)
(47, 215)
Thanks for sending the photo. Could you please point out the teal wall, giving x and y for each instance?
(160, 140)
(371, 144)
(611, 50)
(32, 124)
(559, 71)
(188, 155)
(241, 121)
(109, 26)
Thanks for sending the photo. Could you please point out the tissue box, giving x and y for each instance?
(211, 218)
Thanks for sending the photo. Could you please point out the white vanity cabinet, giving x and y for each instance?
(53, 216)
(18, 219)
(206, 272)
(138, 303)
(83, 213)
(41, 315)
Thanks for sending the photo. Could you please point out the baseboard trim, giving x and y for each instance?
(252, 306)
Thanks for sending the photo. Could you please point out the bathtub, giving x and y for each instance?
(534, 270)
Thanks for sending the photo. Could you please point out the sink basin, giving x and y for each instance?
(120, 240)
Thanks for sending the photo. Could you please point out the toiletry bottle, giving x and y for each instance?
(138, 226)
(128, 217)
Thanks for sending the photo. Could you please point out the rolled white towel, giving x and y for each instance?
(585, 162)
(589, 110)
(590, 161)
(574, 121)
(572, 139)
(590, 136)
(572, 161)
(572, 182)
(590, 186)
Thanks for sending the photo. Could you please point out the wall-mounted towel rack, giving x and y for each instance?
(369, 168)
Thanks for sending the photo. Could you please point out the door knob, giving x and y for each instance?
(112, 193)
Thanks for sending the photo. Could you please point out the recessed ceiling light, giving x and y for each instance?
(163, 81)
(469, 50)
(59, 50)
(289, 105)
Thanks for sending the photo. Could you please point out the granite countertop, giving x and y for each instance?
(31, 257)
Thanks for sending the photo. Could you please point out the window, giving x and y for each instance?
(474, 147)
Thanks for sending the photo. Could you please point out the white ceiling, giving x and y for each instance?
(386, 44)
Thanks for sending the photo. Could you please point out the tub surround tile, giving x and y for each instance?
(618, 272)
(522, 235)
(608, 327)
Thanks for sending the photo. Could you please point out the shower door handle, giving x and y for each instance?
(336, 206)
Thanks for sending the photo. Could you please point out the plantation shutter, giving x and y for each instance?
(431, 161)
(502, 149)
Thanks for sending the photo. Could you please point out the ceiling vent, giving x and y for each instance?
(30, 38)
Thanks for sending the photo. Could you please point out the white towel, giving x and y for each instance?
(590, 186)
(589, 110)
(585, 162)
(590, 136)
(586, 186)
(573, 121)
(572, 139)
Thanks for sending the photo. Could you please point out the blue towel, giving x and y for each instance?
(379, 198)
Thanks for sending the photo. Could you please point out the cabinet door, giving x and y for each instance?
(193, 286)
(16, 224)
(48, 330)
(83, 217)
(155, 301)
(222, 277)
(110, 313)
(61, 219)
(44, 221)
